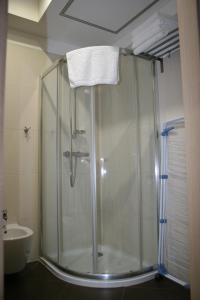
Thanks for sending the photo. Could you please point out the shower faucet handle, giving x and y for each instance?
(5, 214)
(4, 220)
(78, 132)
(77, 154)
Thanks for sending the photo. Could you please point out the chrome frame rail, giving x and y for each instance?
(99, 280)
(93, 175)
(72, 168)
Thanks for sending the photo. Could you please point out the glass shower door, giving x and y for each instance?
(99, 201)
(126, 187)
(76, 251)
(50, 166)
(67, 224)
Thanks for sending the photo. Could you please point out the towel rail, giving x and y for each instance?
(164, 46)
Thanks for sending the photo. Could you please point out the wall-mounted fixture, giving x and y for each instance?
(4, 220)
(26, 131)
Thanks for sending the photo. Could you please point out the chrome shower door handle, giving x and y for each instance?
(76, 154)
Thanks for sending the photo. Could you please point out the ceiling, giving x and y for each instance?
(90, 22)
(28, 9)
(106, 15)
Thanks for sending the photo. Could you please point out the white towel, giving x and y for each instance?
(151, 31)
(140, 35)
(148, 43)
(146, 34)
(93, 65)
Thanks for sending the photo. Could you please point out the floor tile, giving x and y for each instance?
(37, 283)
(80, 293)
(164, 289)
(156, 294)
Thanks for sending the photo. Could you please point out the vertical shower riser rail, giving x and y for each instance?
(58, 163)
(93, 177)
(157, 158)
(139, 165)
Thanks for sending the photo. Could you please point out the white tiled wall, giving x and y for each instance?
(22, 108)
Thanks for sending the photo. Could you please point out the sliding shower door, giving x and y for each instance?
(127, 202)
(99, 201)
(66, 173)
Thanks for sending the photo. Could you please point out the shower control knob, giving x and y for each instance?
(5, 214)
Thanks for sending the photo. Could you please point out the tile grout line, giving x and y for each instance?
(123, 293)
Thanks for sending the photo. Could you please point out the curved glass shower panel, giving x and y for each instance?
(76, 202)
(99, 196)
(125, 171)
(118, 178)
(148, 163)
(49, 166)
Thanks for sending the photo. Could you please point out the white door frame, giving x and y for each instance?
(189, 33)
(3, 35)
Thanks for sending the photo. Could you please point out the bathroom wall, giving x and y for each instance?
(169, 89)
(3, 33)
(188, 18)
(24, 9)
(25, 63)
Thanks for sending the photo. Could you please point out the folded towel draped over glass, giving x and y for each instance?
(93, 65)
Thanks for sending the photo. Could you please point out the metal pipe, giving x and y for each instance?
(75, 110)
(58, 165)
(139, 162)
(93, 176)
(171, 50)
(163, 43)
(160, 50)
(53, 66)
(76, 131)
(72, 173)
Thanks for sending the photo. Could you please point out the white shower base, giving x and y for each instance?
(109, 261)
(112, 262)
(102, 283)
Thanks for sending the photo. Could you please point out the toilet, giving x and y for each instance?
(17, 245)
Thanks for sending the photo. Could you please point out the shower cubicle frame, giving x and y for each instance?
(99, 280)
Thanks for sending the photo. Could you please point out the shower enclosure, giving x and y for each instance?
(99, 185)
